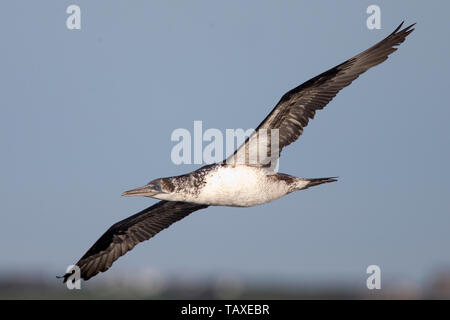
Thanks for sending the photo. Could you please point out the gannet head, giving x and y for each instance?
(153, 188)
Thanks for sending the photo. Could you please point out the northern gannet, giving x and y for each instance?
(236, 181)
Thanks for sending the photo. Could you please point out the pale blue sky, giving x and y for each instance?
(88, 114)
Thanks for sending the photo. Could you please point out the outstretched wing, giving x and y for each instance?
(124, 235)
(296, 107)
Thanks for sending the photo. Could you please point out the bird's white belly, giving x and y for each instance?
(241, 186)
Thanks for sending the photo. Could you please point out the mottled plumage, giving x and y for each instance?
(122, 236)
(297, 106)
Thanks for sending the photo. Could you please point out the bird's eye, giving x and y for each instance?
(157, 187)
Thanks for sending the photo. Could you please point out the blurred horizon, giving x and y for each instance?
(147, 283)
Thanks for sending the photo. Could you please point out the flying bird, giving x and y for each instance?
(246, 178)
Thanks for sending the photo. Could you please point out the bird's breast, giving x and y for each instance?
(241, 186)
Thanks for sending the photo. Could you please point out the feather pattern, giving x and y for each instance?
(294, 110)
(126, 234)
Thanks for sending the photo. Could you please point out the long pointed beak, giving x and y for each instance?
(145, 191)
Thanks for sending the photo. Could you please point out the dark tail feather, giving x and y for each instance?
(317, 181)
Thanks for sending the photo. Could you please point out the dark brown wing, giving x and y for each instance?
(296, 107)
(124, 235)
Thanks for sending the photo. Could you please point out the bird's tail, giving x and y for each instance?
(305, 183)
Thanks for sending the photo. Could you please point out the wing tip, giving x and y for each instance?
(399, 26)
(65, 277)
(407, 30)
